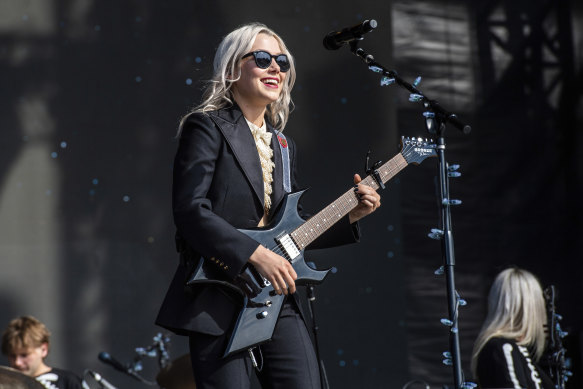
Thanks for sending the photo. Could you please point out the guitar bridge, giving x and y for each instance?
(288, 246)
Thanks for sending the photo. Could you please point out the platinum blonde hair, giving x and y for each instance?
(516, 310)
(227, 71)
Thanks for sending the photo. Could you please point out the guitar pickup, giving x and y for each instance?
(289, 246)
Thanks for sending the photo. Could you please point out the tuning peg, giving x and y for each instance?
(446, 354)
(440, 271)
(436, 234)
(387, 81)
(454, 174)
(447, 362)
(429, 114)
(451, 202)
(452, 168)
(417, 81)
(415, 97)
(469, 385)
(375, 69)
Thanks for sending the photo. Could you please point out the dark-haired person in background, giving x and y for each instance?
(229, 174)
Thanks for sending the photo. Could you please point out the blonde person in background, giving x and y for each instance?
(512, 338)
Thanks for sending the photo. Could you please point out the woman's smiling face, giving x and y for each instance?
(259, 87)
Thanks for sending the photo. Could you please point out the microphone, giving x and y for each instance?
(111, 361)
(100, 380)
(335, 39)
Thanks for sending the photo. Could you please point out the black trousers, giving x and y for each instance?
(289, 359)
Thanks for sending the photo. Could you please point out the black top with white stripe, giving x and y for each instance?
(504, 364)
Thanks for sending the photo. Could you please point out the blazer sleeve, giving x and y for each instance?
(207, 233)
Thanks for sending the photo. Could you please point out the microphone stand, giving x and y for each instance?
(157, 349)
(312, 300)
(436, 118)
(391, 76)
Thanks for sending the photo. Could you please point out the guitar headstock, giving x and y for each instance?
(415, 150)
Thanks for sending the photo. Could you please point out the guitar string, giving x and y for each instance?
(393, 167)
(390, 169)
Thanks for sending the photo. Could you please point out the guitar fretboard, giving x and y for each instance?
(326, 218)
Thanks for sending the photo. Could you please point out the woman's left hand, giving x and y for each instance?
(369, 201)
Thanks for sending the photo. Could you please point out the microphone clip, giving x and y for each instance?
(336, 39)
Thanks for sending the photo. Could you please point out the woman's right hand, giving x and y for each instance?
(275, 269)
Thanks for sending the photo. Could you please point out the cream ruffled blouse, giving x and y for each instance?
(263, 143)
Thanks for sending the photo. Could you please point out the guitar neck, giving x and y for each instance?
(326, 218)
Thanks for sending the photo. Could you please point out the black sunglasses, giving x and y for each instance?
(263, 60)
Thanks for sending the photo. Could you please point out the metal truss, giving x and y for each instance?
(525, 51)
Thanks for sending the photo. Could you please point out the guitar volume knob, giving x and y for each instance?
(262, 314)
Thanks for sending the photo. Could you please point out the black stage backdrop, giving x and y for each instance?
(91, 95)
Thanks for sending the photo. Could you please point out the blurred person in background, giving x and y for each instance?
(26, 344)
(513, 336)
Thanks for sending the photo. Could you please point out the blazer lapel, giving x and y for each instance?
(238, 136)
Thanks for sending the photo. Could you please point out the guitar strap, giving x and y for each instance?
(284, 160)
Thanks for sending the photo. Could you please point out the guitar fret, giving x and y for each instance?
(327, 217)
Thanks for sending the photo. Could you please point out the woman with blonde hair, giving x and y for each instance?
(512, 338)
(232, 170)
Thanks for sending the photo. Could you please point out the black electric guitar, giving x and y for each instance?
(288, 235)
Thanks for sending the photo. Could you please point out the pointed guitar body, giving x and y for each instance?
(288, 235)
(257, 319)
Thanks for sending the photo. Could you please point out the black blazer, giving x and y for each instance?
(218, 188)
